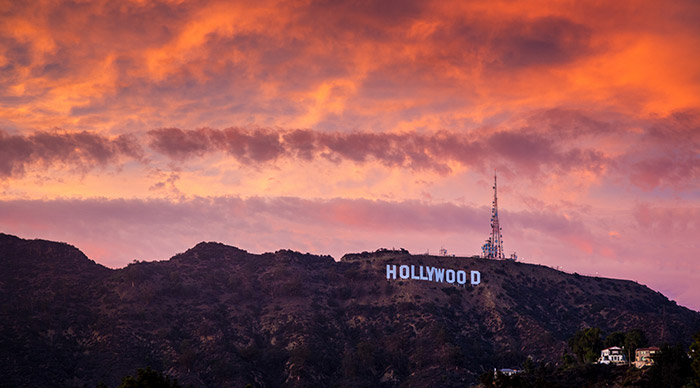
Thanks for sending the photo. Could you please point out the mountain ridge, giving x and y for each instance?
(216, 315)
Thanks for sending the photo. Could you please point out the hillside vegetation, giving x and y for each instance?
(217, 316)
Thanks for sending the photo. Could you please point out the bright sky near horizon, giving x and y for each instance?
(135, 129)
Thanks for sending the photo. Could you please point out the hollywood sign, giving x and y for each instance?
(432, 274)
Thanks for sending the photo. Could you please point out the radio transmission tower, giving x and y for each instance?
(493, 249)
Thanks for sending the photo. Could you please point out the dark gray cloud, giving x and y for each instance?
(552, 141)
(361, 19)
(523, 150)
(81, 150)
(543, 41)
(562, 123)
(248, 146)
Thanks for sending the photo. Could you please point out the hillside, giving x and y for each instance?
(216, 316)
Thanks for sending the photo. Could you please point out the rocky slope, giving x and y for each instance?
(218, 316)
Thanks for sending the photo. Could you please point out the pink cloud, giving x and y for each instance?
(92, 219)
(114, 232)
(677, 170)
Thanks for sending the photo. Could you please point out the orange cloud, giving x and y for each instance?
(167, 64)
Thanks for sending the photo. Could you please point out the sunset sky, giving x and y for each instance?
(136, 129)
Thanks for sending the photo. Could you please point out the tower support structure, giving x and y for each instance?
(493, 249)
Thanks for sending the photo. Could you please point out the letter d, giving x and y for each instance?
(476, 278)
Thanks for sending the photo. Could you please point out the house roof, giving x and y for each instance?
(649, 348)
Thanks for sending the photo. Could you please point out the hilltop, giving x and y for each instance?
(217, 315)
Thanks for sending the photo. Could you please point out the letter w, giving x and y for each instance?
(439, 274)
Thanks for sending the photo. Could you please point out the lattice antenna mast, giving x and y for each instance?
(496, 248)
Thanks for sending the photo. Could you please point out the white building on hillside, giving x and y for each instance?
(645, 356)
(506, 371)
(613, 355)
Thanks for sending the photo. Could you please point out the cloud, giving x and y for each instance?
(79, 150)
(116, 231)
(650, 153)
(248, 146)
(543, 41)
(522, 150)
(666, 153)
(347, 65)
(680, 128)
(567, 124)
(143, 222)
(179, 144)
(668, 221)
(679, 170)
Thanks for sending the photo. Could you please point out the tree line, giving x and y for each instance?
(674, 365)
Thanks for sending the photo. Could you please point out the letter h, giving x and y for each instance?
(390, 271)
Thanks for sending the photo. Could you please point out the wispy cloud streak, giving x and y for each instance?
(79, 150)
